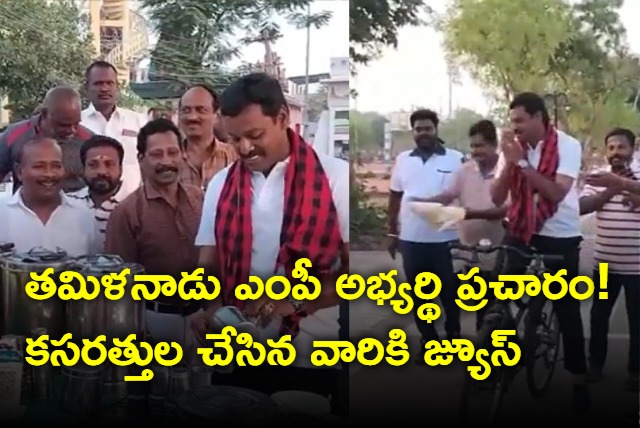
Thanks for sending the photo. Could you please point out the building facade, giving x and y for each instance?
(332, 132)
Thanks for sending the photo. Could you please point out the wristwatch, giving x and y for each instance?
(523, 163)
(298, 306)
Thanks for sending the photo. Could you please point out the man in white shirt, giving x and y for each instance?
(101, 157)
(537, 171)
(39, 214)
(424, 172)
(266, 188)
(104, 117)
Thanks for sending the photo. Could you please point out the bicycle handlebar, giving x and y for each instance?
(487, 249)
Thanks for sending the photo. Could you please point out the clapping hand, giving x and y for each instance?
(511, 148)
(607, 180)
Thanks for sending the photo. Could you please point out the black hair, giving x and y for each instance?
(622, 132)
(209, 89)
(254, 88)
(156, 126)
(486, 129)
(532, 104)
(98, 64)
(424, 114)
(31, 143)
(101, 141)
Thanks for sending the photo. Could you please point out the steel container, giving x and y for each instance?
(20, 313)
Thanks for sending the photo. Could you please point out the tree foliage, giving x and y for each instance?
(195, 37)
(366, 131)
(42, 44)
(374, 24)
(575, 48)
(455, 130)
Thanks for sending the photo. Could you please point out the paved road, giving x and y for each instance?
(430, 393)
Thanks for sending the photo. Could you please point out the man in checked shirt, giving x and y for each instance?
(279, 200)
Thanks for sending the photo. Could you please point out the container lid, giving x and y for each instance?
(105, 264)
(227, 404)
(39, 259)
(6, 247)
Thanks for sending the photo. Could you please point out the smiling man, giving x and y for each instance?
(205, 155)
(279, 202)
(156, 226)
(39, 214)
(102, 160)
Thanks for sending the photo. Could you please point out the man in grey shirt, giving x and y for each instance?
(58, 118)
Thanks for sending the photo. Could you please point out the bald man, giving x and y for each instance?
(204, 154)
(59, 118)
(39, 214)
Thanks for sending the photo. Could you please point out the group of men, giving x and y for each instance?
(521, 189)
(175, 198)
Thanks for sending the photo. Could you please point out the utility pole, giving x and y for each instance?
(305, 108)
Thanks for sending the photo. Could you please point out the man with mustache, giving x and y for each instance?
(156, 226)
(205, 155)
(102, 159)
(618, 245)
(424, 172)
(281, 200)
(471, 187)
(104, 117)
(58, 118)
(39, 214)
(537, 171)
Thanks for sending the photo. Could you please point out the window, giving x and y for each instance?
(342, 114)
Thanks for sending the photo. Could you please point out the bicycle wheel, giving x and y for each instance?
(542, 344)
(480, 401)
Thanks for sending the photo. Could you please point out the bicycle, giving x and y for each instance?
(540, 329)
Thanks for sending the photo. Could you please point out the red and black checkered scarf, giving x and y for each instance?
(524, 216)
(309, 227)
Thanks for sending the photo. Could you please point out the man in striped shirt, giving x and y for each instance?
(102, 158)
(615, 197)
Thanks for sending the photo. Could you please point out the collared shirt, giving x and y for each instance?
(472, 189)
(71, 227)
(565, 223)
(123, 125)
(217, 156)
(100, 212)
(419, 177)
(617, 232)
(147, 229)
(267, 211)
(12, 139)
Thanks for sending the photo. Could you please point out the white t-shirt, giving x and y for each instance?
(565, 223)
(71, 227)
(416, 178)
(267, 210)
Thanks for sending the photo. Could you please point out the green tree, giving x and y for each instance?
(374, 24)
(576, 48)
(196, 38)
(42, 44)
(455, 130)
(506, 44)
(366, 131)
